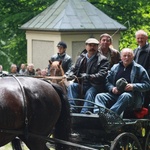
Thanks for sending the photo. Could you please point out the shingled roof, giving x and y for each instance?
(72, 15)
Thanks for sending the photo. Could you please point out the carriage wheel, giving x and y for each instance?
(125, 141)
(147, 143)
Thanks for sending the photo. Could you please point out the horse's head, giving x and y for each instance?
(57, 71)
(56, 68)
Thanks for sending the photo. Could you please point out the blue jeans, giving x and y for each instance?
(116, 103)
(89, 94)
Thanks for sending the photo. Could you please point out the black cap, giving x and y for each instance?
(121, 84)
(64, 45)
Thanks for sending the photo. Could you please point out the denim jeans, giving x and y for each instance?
(89, 94)
(116, 103)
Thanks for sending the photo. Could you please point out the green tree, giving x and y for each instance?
(133, 14)
(13, 14)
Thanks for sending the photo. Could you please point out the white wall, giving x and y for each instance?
(42, 45)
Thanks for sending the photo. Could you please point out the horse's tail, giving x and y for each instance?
(63, 125)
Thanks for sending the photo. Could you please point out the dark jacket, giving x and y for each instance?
(66, 61)
(142, 57)
(114, 56)
(97, 69)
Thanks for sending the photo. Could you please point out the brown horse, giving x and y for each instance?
(57, 74)
(32, 106)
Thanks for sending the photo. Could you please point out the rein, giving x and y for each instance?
(52, 77)
(47, 139)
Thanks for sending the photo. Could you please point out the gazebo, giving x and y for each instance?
(71, 21)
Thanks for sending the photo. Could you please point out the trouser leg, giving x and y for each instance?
(73, 92)
(90, 96)
(124, 100)
(104, 100)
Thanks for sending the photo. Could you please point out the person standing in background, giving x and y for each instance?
(142, 56)
(62, 56)
(23, 69)
(30, 69)
(13, 69)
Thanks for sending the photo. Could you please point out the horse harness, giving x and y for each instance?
(25, 105)
(26, 133)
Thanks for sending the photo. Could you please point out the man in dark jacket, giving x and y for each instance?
(142, 56)
(92, 67)
(62, 56)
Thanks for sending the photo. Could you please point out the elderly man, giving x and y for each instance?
(142, 56)
(105, 48)
(131, 96)
(92, 67)
(13, 69)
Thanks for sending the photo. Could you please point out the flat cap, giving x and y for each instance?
(92, 40)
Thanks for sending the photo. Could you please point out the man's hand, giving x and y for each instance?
(85, 75)
(70, 76)
(129, 87)
(115, 90)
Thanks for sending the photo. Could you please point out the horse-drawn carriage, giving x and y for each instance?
(131, 131)
(118, 134)
(32, 109)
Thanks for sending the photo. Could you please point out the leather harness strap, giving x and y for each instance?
(25, 106)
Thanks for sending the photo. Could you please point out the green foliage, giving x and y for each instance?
(13, 14)
(135, 15)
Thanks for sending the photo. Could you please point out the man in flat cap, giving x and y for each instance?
(62, 56)
(91, 67)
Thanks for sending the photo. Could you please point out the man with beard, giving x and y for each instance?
(92, 68)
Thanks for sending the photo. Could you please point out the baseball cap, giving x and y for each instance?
(63, 44)
(92, 40)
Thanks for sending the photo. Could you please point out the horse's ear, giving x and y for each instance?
(60, 62)
(50, 62)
